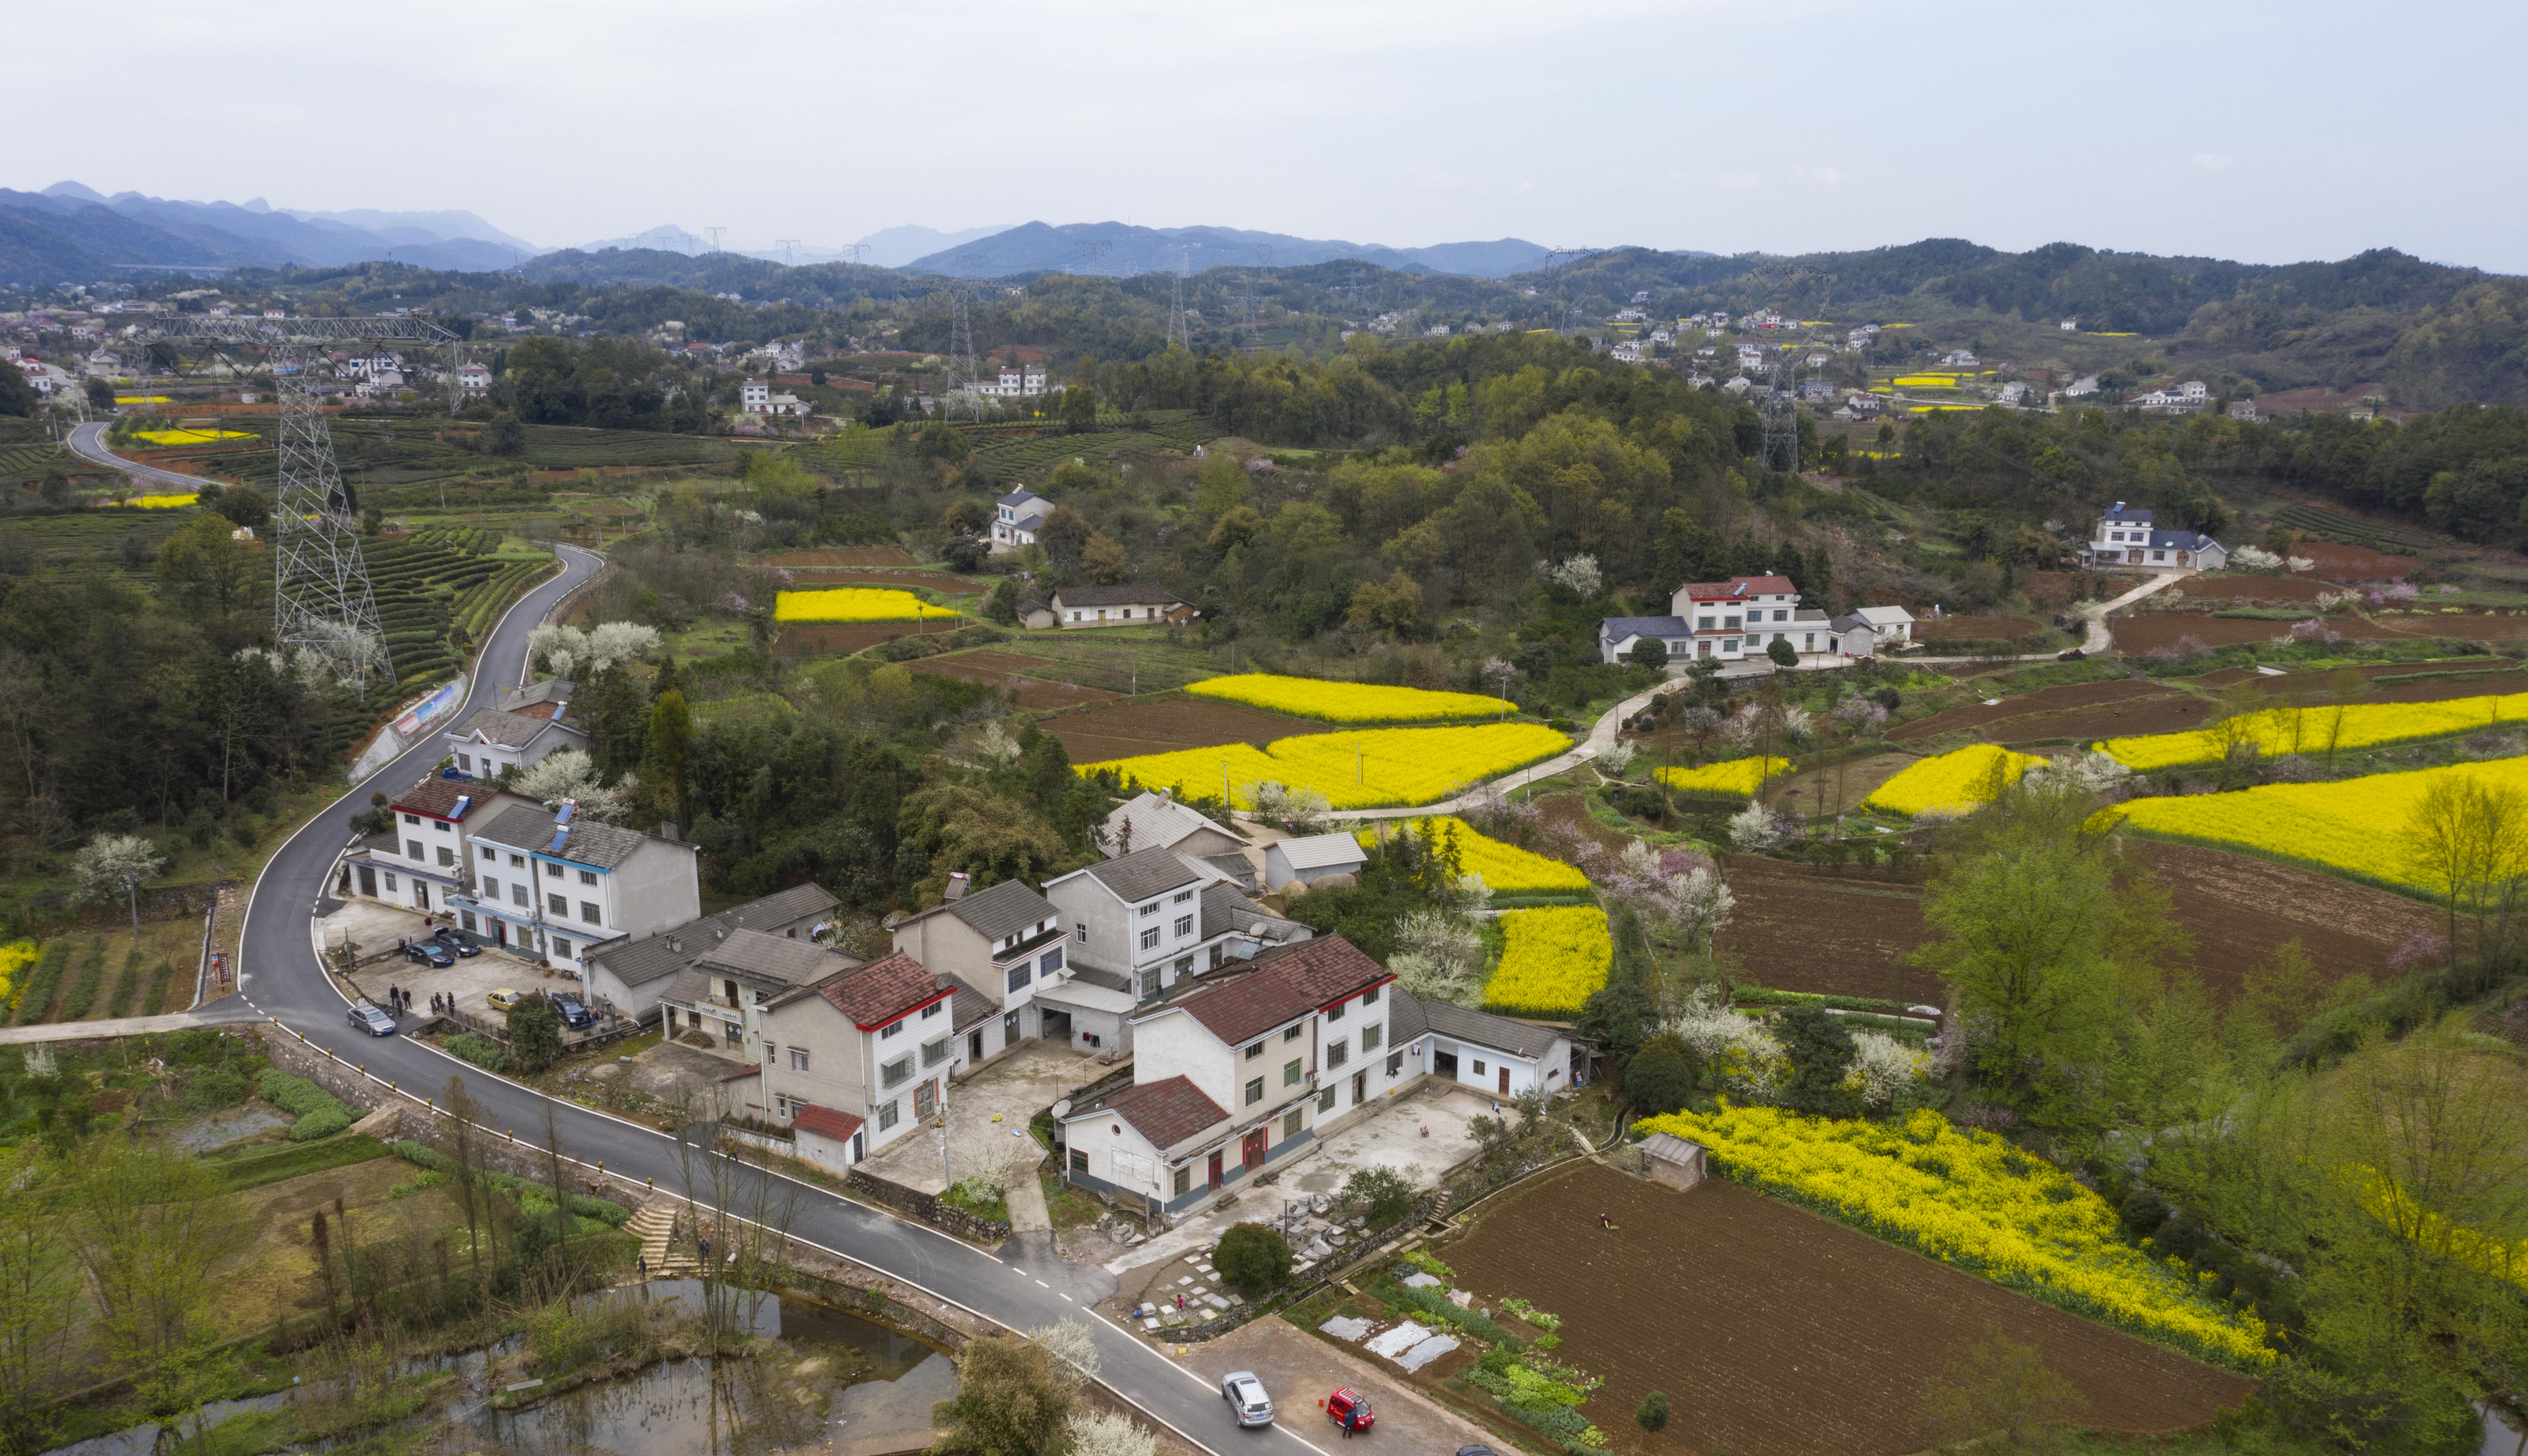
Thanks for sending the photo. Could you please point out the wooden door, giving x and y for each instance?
(1251, 1153)
(1215, 1170)
(1504, 1081)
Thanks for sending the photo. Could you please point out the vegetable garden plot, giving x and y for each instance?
(1777, 1333)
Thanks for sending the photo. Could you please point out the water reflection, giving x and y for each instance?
(831, 1381)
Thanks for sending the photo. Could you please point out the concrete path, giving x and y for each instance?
(1024, 1194)
(209, 1016)
(1602, 737)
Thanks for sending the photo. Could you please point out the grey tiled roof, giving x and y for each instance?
(1005, 908)
(1143, 873)
(588, 842)
(640, 962)
(508, 729)
(1131, 596)
(769, 957)
(1500, 1033)
(1225, 908)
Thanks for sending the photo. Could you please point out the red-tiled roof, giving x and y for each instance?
(881, 991)
(1280, 986)
(1167, 1113)
(1755, 586)
(826, 1121)
(742, 1073)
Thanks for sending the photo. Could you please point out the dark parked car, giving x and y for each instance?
(373, 1019)
(429, 953)
(456, 941)
(573, 1015)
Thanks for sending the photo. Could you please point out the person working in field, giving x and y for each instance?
(1605, 1223)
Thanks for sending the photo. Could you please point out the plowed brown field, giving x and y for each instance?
(1848, 933)
(1948, 629)
(1093, 735)
(2240, 908)
(2104, 709)
(877, 556)
(809, 578)
(845, 637)
(1802, 929)
(1776, 1333)
(1009, 671)
(2141, 634)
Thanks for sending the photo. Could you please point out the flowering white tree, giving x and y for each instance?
(1755, 828)
(1617, 759)
(1743, 1055)
(1438, 955)
(1073, 1348)
(563, 649)
(1110, 1433)
(117, 864)
(570, 774)
(1304, 810)
(2256, 559)
(1883, 1067)
(2092, 772)
(1578, 574)
(1696, 905)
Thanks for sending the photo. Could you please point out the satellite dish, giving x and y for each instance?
(1062, 1109)
(1256, 930)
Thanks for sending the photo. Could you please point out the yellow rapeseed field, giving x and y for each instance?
(857, 605)
(192, 436)
(1362, 768)
(2278, 731)
(1551, 961)
(1347, 702)
(1734, 776)
(2352, 827)
(14, 958)
(162, 503)
(1955, 783)
(1973, 1201)
(1507, 868)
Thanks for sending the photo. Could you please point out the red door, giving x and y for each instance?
(1252, 1153)
(1504, 1081)
(1215, 1170)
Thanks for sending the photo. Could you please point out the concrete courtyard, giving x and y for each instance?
(988, 1115)
(1421, 1135)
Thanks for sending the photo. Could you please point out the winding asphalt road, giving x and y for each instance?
(87, 442)
(1025, 1286)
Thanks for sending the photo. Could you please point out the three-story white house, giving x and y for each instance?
(1137, 931)
(1004, 942)
(1237, 1073)
(421, 861)
(555, 885)
(2125, 537)
(859, 1057)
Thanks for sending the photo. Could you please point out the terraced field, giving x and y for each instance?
(439, 584)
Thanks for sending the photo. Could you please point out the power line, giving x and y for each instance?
(715, 235)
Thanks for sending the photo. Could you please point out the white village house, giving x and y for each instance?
(631, 974)
(1727, 623)
(1312, 858)
(524, 726)
(1137, 605)
(2123, 536)
(1245, 1068)
(1016, 519)
(423, 859)
(556, 885)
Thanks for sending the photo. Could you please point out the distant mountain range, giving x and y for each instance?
(1122, 250)
(69, 233)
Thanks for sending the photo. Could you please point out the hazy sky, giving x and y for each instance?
(2263, 131)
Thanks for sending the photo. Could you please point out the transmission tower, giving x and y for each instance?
(321, 600)
(1180, 324)
(859, 251)
(715, 235)
(1793, 287)
(965, 376)
(1247, 326)
(787, 244)
(1558, 274)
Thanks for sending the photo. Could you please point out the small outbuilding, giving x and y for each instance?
(1675, 1160)
(1311, 859)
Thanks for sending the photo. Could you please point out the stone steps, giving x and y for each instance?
(657, 1224)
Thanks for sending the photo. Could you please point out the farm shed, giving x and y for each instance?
(1497, 1054)
(1675, 1160)
(1311, 859)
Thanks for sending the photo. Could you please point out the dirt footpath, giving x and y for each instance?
(1300, 1369)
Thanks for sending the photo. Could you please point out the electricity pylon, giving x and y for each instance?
(321, 600)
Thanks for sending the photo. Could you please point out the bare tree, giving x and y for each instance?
(742, 1216)
(465, 1147)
